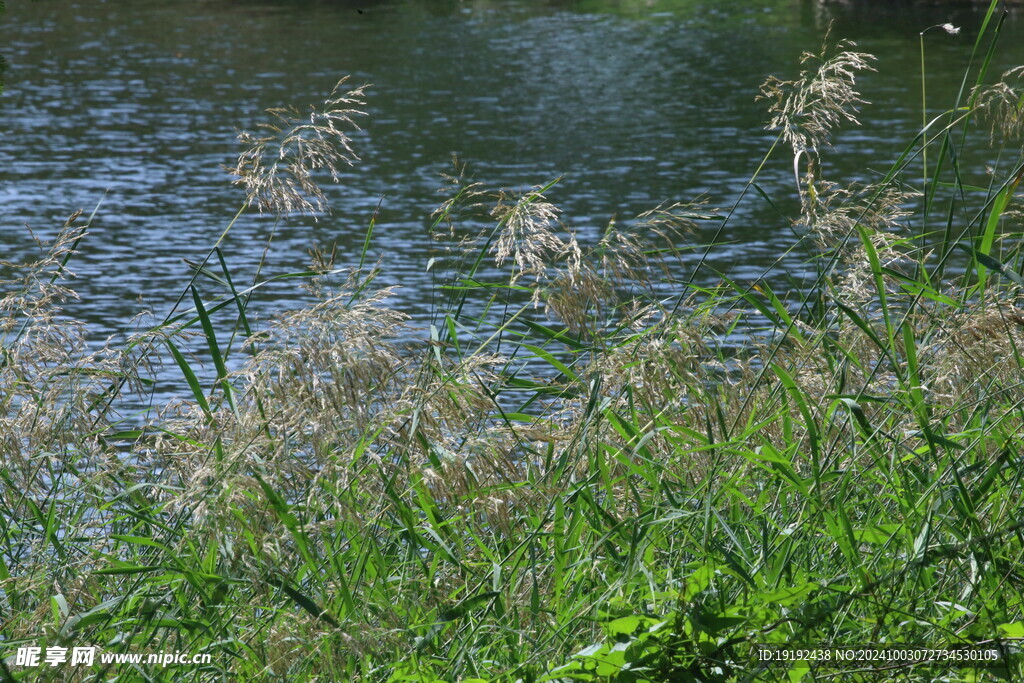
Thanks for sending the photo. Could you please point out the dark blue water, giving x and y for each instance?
(134, 108)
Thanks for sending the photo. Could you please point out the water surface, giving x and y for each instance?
(137, 105)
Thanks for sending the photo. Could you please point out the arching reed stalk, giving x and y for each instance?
(951, 30)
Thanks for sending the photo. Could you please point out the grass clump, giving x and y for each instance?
(587, 467)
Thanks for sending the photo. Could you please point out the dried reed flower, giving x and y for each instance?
(465, 202)
(51, 418)
(463, 197)
(330, 365)
(807, 109)
(603, 282)
(975, 351)
(35, 288)
(837, 210)
(1002, 104)
(277, 169)
(527, 236)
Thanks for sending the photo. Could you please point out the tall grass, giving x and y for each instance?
(571, 476)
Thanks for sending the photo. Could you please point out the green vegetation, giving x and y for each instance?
(589, 468)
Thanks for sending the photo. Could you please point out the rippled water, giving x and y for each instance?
(137, 105)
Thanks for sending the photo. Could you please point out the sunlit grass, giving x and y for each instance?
(574, 474)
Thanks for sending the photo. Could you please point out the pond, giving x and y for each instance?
(135, 107)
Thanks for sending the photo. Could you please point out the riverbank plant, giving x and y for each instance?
(587, 465)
